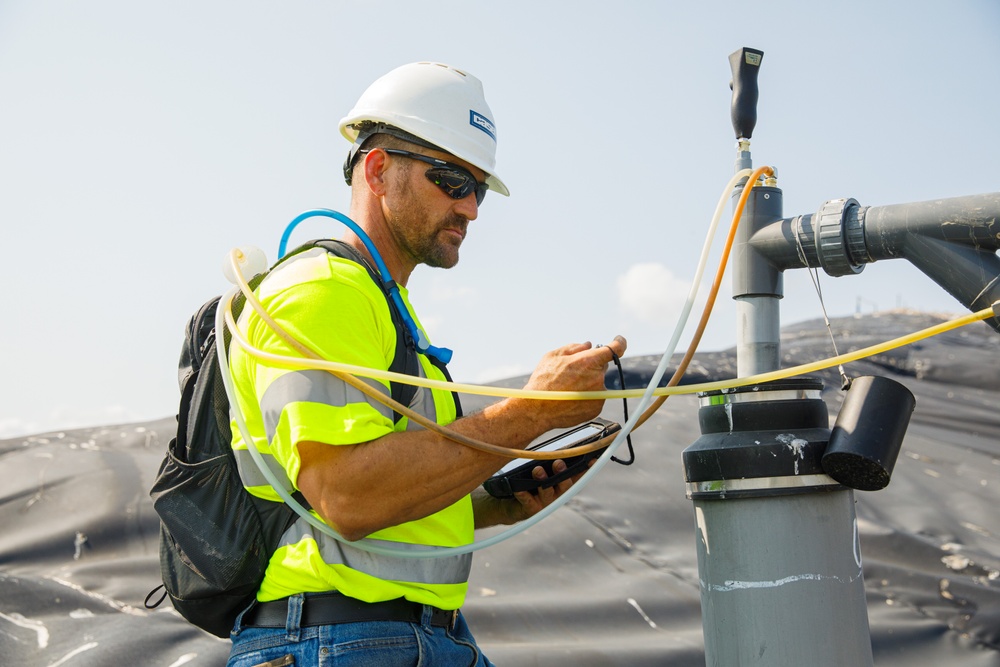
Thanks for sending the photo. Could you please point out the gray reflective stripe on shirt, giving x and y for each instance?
(314, 386)
(445, 570)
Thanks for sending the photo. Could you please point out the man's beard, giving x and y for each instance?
(435, 251)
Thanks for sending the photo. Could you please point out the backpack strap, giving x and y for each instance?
(441, 366)
(404, 359)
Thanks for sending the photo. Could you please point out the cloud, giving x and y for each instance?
(651, 293)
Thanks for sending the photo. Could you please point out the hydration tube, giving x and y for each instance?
(364, 544)
(424, 346)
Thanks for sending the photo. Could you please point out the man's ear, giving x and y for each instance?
(374, 168)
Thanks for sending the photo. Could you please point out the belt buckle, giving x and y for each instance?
(453, 620)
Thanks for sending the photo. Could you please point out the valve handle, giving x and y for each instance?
(745, 64)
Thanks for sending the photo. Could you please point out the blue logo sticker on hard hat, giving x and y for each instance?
(483, 123)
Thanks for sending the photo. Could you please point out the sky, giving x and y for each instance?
(140, 141)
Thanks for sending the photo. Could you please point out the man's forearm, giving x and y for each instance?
(406, 476)
(409, 475)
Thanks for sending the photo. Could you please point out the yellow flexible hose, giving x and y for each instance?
(350, 379)
(347, 372)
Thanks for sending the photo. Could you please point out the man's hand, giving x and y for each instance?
(574, 367)
(490, 511)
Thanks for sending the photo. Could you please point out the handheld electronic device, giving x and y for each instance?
(516, 475)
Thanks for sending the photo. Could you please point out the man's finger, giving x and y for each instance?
(617, 346)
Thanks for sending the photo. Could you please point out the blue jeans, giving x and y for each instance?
(368, 644)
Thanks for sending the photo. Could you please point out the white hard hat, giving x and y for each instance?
(439, 104)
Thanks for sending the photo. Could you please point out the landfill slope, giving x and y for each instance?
(611, 579)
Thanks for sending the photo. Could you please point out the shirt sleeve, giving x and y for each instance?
(343, 316)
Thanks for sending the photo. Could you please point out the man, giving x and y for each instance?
(421, 160)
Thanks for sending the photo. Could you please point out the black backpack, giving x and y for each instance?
(215, 537)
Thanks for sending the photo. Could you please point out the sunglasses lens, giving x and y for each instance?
(457, 184)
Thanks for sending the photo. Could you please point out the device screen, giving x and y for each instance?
(565, 440)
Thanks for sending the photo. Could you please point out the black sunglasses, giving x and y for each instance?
(454, 180)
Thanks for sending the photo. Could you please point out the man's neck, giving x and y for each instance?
(377, 231)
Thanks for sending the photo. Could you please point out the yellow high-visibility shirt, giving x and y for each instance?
(332, 305)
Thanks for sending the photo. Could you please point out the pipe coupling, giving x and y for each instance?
(840, 238)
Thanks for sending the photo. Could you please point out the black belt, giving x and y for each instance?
(330, 608)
